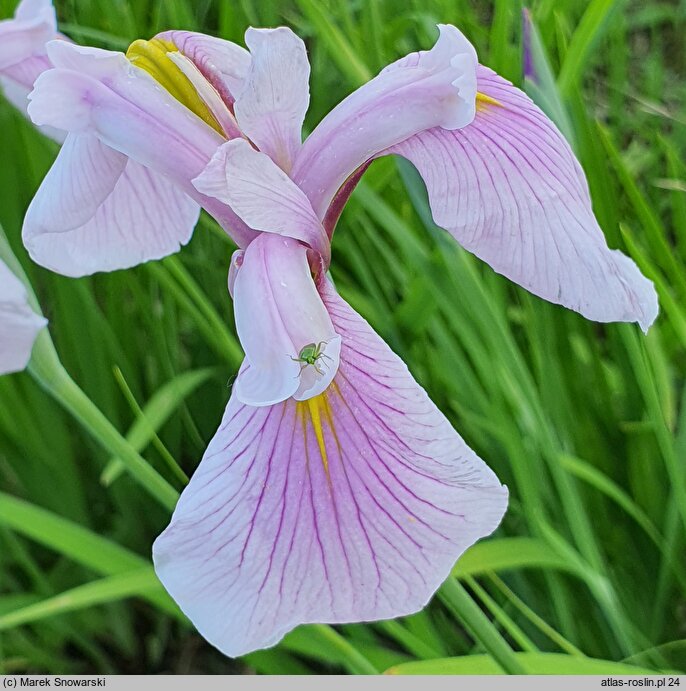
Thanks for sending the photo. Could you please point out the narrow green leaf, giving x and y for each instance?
(586, 36)
(77, 543)
(338, 47)
(129, 584)
(508, 554)
(155, 413)
(651, 225)
(533, 663)
(541, 85)
(594, 477)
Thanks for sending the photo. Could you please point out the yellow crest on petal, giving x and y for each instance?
(318, 410)
(483, 100)
(152, 56)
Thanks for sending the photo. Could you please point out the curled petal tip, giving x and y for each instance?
(261, 194)
(60, 100)
(316, 378)
(266, 386)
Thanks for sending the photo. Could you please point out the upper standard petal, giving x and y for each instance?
(351, 506)
(271, 106)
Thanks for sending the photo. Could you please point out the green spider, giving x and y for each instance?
(310, 354)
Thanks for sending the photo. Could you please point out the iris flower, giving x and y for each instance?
(334, 489)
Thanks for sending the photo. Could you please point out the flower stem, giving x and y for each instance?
(45, 367)
(458, 600)
(48, 371)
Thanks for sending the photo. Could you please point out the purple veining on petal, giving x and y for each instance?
(509, 189)
(88, 213)
(97, 93)
(332, 510)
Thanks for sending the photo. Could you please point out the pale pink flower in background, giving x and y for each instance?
(22, 52)
(19, 324)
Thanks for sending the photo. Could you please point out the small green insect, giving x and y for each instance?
(310, 355)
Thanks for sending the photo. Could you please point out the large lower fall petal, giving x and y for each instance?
(19, 324)
(510, 190)
(350, 506)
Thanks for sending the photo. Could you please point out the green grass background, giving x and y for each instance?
(585, 423)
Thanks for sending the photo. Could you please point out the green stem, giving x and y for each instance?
(48, 371)
(229, 344)
(458, 600)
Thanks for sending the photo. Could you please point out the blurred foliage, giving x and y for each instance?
(585, 423)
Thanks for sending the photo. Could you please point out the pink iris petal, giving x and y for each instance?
(19, 324)
(223, 63)
(261, 194)
(97, 210)
(435, 88)
(25, 36)
(16, 83)
(510, 190)
(24, 74)
(271, 107)
(207, 93)
(98, 92)
(352, 506)
(22, 53)
(278, 312)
